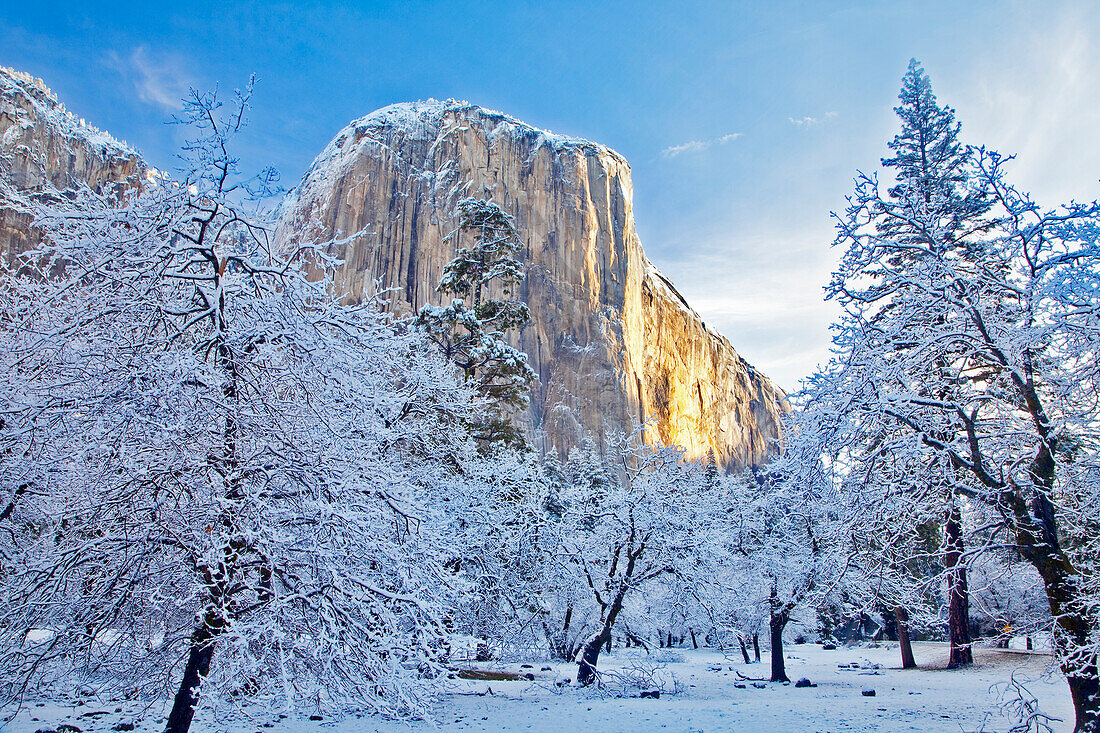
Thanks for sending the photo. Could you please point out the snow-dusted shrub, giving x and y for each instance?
(636, 675)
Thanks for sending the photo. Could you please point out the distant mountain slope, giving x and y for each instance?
(610, 337)
(44, 147)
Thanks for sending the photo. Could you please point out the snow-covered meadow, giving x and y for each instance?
(712, 695)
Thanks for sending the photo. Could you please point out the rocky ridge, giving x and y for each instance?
(44, 149)
(611, 339)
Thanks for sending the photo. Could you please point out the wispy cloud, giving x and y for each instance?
(1039, 99)
(159, 79)
(811, 121)
(695, 146)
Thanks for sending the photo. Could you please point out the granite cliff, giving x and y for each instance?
(610, 337)
(45, 149)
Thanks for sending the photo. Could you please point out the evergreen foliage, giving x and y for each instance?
(471, 329)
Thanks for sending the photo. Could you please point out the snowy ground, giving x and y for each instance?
(927, 699)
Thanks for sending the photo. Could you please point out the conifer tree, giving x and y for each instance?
(471, 328)
(930, 165)
(931, 212)
(966, 358)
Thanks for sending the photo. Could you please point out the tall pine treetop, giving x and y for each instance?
(489, 258)
(471, 329)
(931, 169)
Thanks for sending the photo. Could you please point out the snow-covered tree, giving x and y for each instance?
(497, 515)
(1008, 597)
(710, 582)
(217, 476)
(471, 328)
(619, 523)
(792, 545)
(933, 208)
(968, 347)
(898, 539)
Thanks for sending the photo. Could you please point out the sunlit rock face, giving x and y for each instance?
(43, 149)
(610, 338)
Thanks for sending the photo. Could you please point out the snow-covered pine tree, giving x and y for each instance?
(591, 477)
(930, 165)
(932, 212)
(968, 346)
(471, 328)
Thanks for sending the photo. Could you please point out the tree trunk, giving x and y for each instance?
(756, 647)
(744, 649)
(958, 610)
(559, 640)
(1073, 629)
(586, 672)
(213, 623)
(694, 643)
(1086, 702)
(197, 668)
(633, 639)
(890, 624)
(901, 618)
(779, 669)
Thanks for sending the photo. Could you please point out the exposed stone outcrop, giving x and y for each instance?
(610, 337)
(44, 148)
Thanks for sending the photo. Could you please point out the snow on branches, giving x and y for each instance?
(471, 329)
(218, 471)
(964, 377)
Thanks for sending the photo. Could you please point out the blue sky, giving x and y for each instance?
(743, 122)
